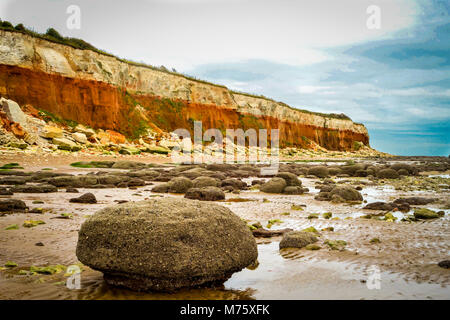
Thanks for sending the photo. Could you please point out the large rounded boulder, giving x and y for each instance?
(165, 244)
(274, 185)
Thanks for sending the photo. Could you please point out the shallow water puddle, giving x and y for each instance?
(297, 277)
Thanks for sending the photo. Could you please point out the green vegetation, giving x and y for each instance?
(82, 164)
(271, 222)
(10, 264)
(310, 229)
(9, 166)
(12, 227)
(48, 116)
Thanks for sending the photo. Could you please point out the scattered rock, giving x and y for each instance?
(201, 182)
(12, 205)
(423, 213)
(85, 198)
(388, 174)
(51, 132)
(297, 239)
(179, 185)
(80, 137)
(205, 194)
(274, 185)
(444, 264)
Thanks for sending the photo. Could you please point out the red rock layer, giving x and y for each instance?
(101, 105)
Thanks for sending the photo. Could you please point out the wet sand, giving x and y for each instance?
(407, 255)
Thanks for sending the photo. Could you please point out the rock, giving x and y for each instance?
(12, 205)
(86, 131)
(290, 178)
(85, 198)
(71, 190)
(80, 137)
(387, 174)
(318, 171)
(313, 246)
(136, 182)
(347, 193)
(423, 213)
(274, 185)
(116, 137)
(294, 190)
(5, 192)
(336, 244)
(264, 233)
(13, 111)
(234, 183)
(161, 188)
(444, 264)
(51, 132)
(170, 243)
(39, 188)
(66, 144)
(379, 205)
(13, 180)
(297, 239)
(156, 150)
(128, 165)
(179, 185)
(129, 150)
(80, 181)
(415, 201)
(201, 182)
(205, 194)
(18, 131)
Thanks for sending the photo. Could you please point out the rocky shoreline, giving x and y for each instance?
(353, 212)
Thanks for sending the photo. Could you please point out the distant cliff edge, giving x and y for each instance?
(103, 91)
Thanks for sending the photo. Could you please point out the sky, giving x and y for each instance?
(317, 55)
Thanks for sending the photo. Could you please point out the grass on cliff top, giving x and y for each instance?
(54, 36)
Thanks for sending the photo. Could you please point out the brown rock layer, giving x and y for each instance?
(104, 92)
(101, 105)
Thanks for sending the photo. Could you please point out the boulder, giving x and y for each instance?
(318, 171)
(379, 205)
(86, 131)
(415, 201)
(39, 188)
(347, 193)
(423, 213)
(274, 185)
(80, 137)
(13, 111)
(65, 144)
(12, 205)
(201, 182)
(165, 244)
(297, 239)
(206, 194)
(85, 198)
(179, 185)
(128, 165)
(161, 188)
(115, 137)
(51, 132)
(387, 174)
(290, 178)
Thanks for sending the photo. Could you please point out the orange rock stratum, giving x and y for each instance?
(103, 92)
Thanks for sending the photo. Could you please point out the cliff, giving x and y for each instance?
(103, 91)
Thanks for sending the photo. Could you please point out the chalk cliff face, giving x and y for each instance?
(104, 92)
